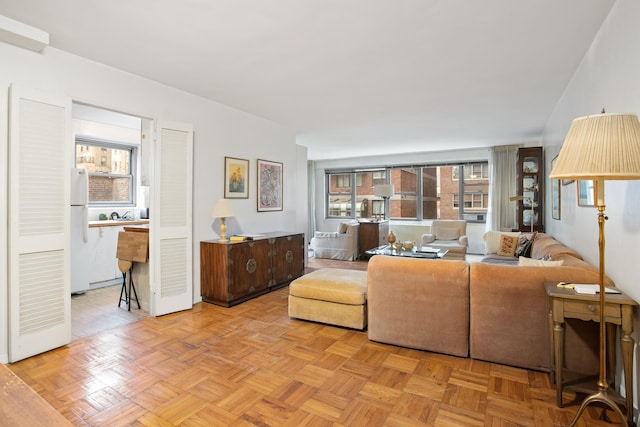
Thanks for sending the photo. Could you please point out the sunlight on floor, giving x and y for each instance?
(97, 310)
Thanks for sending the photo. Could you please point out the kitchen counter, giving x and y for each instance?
(111, 223)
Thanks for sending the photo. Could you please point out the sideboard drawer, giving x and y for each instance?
(590, 310)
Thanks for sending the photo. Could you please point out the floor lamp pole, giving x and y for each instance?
(601, 396)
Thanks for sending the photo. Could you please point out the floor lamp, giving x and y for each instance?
(385, 191)
(601, 147)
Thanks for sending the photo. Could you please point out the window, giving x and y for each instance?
(472, 171)
(421, 192)
(343, 181)
(111, 177)
(344, 200)
(379, 177)
(471, 200)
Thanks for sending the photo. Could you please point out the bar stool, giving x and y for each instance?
(132, 247)
(127, 266)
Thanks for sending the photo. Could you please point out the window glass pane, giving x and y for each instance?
(404, 204)
(340, 206)
(110, 174)
(430, 189)
(449, 192)
(341, 182)
(106, 189)
(339, 198)
(379, 177)
(365, 195)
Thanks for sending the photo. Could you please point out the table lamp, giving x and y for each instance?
(599, 148)
(385, 191)
(223, 210)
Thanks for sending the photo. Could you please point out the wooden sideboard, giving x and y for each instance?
(233, 272)
(372, 234)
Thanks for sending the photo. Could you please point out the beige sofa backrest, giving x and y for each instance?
(492, 240)
(449, 229)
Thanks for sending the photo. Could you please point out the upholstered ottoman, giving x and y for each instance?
(330, 295)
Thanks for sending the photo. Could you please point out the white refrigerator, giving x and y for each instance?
(79, 231)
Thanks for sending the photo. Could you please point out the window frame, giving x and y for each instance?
(476, 186)
(105, 145)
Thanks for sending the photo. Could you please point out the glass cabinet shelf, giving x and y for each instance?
(530, 180)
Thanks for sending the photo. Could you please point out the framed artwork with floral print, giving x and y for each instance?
(236, 178)
(270, 186)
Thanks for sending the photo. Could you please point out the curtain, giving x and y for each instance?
(311, 199)
(502, 178)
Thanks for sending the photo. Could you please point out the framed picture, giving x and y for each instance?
(586, 193)
(555, 194)
(269, 186)
(236, 178)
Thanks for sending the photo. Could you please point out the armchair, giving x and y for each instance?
(450, 235)
(341, 244)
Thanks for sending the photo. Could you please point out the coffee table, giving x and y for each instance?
(416, 252)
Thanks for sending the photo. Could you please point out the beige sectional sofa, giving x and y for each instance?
(487, 311)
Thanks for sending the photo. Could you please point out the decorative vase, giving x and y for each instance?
(391, 238)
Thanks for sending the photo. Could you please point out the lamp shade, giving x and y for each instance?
(222, 209)
(383, 190)
(603, 146)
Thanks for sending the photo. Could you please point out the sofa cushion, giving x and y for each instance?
(539, 262)
(492, 240)
(497, 259)
(508, 246)
(419, 303)
(546, 245)
(448, 232)
(337, 285)
(525, 241)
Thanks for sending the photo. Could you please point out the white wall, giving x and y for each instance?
(218, 131)
(607, 77)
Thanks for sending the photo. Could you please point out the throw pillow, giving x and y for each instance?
(492, 240)
(538, 262)
(508, 246)
(343, 228)
(525, 241)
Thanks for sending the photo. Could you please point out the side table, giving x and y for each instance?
(564, 304)
(372, 234)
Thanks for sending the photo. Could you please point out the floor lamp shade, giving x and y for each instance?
(383, 190)
(601, 147)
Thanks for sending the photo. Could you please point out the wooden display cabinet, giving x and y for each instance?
(231, 273)
(530, 185)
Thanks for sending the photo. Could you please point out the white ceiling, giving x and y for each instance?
(352, 77)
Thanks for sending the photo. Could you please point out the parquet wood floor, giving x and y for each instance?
(251, 365)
